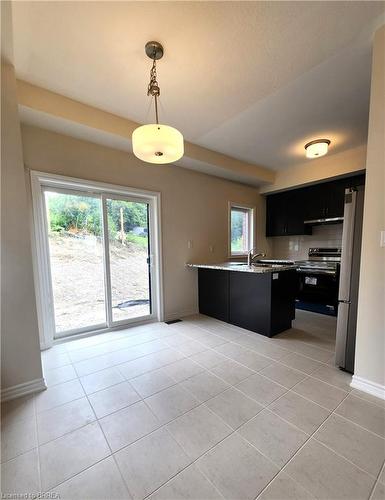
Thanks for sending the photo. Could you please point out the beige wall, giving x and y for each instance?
(328, 167)
(194, 205)
(370, 347)
(20, 354)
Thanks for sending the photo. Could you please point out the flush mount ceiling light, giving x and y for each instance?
(156, 143)
(317, 148)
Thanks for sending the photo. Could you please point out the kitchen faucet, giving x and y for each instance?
(251, 256)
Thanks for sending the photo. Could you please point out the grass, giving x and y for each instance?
(141, 241)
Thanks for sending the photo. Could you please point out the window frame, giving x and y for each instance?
(251, 211)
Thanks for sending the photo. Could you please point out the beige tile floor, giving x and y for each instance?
(197, 410)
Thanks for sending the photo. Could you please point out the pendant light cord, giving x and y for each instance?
(156, 110)
(154, 89)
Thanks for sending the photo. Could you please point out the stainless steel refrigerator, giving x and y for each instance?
(349, 278)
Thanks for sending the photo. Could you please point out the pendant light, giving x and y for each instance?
(156, 143)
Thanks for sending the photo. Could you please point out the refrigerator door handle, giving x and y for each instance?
(341, 334)
(347, 244)
(345, 277)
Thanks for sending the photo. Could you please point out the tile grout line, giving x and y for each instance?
(298, 451)
(200, 404)
(377, 482)
(209, 370)
(171, 347)
(230, 385)
(165, 426)
(311, 436)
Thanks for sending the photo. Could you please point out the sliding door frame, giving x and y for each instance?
(41, 257)
(72, 192)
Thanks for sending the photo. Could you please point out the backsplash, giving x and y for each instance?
(297, 247)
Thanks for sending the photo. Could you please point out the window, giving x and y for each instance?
(241, 229)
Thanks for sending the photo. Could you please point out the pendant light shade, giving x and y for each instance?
(157, 143)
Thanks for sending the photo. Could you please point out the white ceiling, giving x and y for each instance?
(253, 80)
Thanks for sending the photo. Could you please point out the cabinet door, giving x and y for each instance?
(250, 297)
(294, 207)
(315, 202)
(335, 198)
(284, 287)
(213, 285)
(275, 215)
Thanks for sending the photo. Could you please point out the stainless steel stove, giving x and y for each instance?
(321, 261)
(319, 277)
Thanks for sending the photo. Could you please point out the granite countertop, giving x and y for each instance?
(243, 267)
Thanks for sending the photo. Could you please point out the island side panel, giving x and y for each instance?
(250, 301)
(283, 292)
(213, 288)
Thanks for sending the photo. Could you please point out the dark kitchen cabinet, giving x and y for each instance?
(213, 289)
(293, 207)
(325, 201)
(285, 214)
(314, 202)
(261, 302)
(335, 199)
(276, 216)
(287, 211)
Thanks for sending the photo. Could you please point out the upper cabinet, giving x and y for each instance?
(284, 215)
(286, 212)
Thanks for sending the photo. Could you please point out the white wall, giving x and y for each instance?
(331, 166)
(20, 354)
(297, 247)
(194, 205)
(370, 346)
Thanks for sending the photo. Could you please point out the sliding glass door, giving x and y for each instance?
(74, 222)
(129, 258)
(99, 259)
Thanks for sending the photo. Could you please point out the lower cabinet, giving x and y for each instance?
(250, 301)
(213, 289)
(261, 302)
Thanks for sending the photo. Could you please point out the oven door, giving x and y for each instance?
(318, 287)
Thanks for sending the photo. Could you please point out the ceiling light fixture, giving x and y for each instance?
(156, 143)
(317, 148)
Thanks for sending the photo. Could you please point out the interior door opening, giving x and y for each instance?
(98, 264)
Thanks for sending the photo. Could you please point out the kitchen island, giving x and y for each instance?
(259, 297)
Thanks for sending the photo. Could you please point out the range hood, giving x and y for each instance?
(330, 220)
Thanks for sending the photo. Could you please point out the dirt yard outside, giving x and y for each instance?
(78, 280)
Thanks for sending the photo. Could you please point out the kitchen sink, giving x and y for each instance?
(254, 264)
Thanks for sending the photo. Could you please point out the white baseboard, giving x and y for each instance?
(367, 386)
(180, 314)
(16, 391)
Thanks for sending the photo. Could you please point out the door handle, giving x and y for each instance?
(345, 301)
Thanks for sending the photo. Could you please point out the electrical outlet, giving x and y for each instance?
(190, 244)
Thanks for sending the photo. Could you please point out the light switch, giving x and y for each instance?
(190, 244)
(382, 239)
(211, 248)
